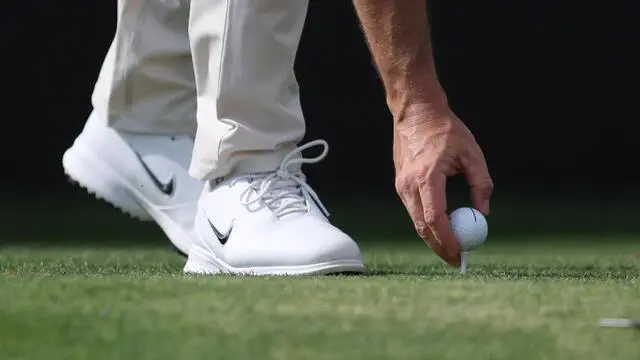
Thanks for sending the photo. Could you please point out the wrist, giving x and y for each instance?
(417, 99)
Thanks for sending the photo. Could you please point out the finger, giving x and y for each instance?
(413, 204)
(441, 230)
(434, 202)
(477, 175)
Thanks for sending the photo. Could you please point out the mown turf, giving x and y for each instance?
(523, 299)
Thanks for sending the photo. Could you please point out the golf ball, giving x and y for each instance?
(469, 227)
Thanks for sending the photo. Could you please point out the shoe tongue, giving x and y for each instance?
(284, 192)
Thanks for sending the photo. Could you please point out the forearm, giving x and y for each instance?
(398, 35)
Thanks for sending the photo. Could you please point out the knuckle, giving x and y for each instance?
(487, 184)
(426, 171)
(431, 217)
(426, 178)
(422, 229)
(403, 184)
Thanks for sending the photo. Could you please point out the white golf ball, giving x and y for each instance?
(469, 227)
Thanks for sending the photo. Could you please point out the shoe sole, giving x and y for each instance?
(87, 170)
(203, 262)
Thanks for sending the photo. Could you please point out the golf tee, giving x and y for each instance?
(620, 323)
(464, 261)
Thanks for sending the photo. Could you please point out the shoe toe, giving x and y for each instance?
(303, 242)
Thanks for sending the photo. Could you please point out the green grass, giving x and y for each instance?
(522, 299)
(85, 283)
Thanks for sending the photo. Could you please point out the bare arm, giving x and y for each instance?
(430, 142)
(398, 35)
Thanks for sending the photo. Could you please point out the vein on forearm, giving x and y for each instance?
(397, 32)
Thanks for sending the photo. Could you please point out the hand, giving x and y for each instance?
(429, 146)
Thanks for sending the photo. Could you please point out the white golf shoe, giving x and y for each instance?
(269, 224)
(145, 176)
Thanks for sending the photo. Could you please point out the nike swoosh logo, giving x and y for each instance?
(222, 238)
(166, 187)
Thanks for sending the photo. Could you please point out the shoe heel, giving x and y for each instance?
(198, 263)
(88, 172)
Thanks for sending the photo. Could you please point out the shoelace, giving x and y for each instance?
(284, 191)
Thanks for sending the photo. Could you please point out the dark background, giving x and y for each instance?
(548, 88)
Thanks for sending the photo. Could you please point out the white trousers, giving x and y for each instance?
(221, 70)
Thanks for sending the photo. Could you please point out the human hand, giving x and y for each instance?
(429, 146)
